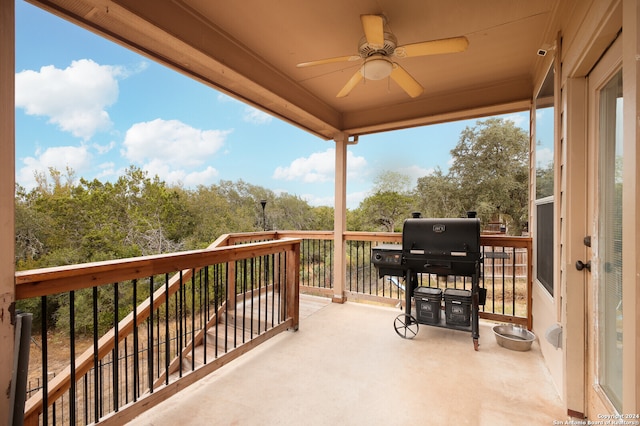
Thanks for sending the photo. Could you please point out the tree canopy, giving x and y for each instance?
(63, 222)
(489, 175)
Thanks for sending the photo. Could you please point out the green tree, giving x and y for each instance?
(158, 221)
(436, 196)
(323, 218)
(490, 171)
(389, 205)
(544, 181)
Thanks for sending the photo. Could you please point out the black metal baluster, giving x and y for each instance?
(157, 346)
(45, 371)
(513, 283)
(85, 397)
(358, 269)
(322, 248)
(180, 322)
(366, 267)
(226, 310)
(264, 281)
(116, 350)
(308, 243)
(200, 298)
(273, 279)
(96, 389)
(100, 397)
(206, 311)
(150, 335)
(502, 273)
(167, 349)
(72, 351)
(136, 363)
(85, 391)
(226, 299)
(244, 297)
(216, 294)
(362, 267)
(493, 282)
(314, 254)
(262, 270)
(252, 293)
(193, 319)
(235, 309)
(126, 370)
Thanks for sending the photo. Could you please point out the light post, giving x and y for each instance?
(264, 222)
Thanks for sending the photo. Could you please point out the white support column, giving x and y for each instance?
(7, 199)
(631, 210)
(340, 219)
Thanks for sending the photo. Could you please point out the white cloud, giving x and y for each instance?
(319, 201)
(103, 149)
(356, 167)
(355, 198)
(255, 116)
(77, 158)
(544, 157)
(180, 176)
(225, 98)
(249, 114)
(415, 172)
(74, 98)
(107, 170)
(168, 148)
(319, 167)
(520, 120)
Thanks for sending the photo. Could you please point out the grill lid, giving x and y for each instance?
(441, 246)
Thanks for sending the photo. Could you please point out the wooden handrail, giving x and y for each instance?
(62, 279)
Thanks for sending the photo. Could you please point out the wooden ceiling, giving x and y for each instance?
(249, 49)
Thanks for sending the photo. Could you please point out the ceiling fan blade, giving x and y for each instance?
(373, 26)
(404, 80)
(353, 82)
(434, 47)
(328, 61)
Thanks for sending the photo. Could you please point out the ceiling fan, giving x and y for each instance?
(378, 47)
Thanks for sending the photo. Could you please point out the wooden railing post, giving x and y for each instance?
(293, 284)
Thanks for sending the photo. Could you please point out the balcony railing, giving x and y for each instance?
(189, 313)
(506, 273)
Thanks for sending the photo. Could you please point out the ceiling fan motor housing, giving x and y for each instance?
(390, 43)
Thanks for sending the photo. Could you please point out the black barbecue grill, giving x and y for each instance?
(444, 247)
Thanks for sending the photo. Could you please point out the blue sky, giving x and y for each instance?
(86, 103)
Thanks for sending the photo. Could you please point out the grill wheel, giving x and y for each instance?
(406, 326)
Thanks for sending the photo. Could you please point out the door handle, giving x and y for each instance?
(580, 265)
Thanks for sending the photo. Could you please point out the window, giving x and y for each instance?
(610, 240)
(544, 157)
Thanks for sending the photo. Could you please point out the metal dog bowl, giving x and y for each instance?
(513, 337)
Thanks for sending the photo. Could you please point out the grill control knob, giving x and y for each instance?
(378, 256)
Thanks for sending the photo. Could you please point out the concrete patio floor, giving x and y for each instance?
(347, 366)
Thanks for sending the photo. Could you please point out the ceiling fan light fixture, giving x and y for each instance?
(376, 68)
